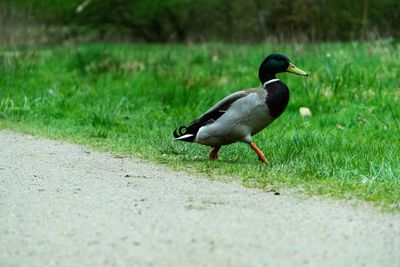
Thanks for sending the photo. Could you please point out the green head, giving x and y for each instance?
(276, 63)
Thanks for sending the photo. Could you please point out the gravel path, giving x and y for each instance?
(67, 205)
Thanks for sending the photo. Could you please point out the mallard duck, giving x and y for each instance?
(240, 115)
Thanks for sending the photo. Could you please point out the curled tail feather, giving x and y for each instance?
(187, 134)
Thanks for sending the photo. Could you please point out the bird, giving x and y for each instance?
(241, 115)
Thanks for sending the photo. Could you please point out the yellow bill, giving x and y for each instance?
(293, 69)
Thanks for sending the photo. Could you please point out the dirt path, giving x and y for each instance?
(67, 205)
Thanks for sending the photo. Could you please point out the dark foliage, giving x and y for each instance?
(227, 20)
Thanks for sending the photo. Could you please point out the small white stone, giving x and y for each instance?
(305, 112)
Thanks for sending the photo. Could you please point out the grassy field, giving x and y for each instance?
(129, 99)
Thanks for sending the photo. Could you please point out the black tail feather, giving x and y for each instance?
(191, 129)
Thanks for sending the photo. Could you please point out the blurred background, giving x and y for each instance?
(46, 22)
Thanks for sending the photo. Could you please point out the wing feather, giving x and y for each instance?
(220, 108)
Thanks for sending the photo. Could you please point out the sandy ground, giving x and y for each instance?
(67, 205)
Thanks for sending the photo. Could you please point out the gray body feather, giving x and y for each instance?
(245, 114)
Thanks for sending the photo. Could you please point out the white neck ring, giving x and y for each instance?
(270, 81)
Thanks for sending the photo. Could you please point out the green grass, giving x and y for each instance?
(129, 99)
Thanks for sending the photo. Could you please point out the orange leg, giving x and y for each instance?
(259, 153)
(214, 153)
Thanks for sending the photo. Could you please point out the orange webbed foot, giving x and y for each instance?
(259, 153)
(214, 153)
